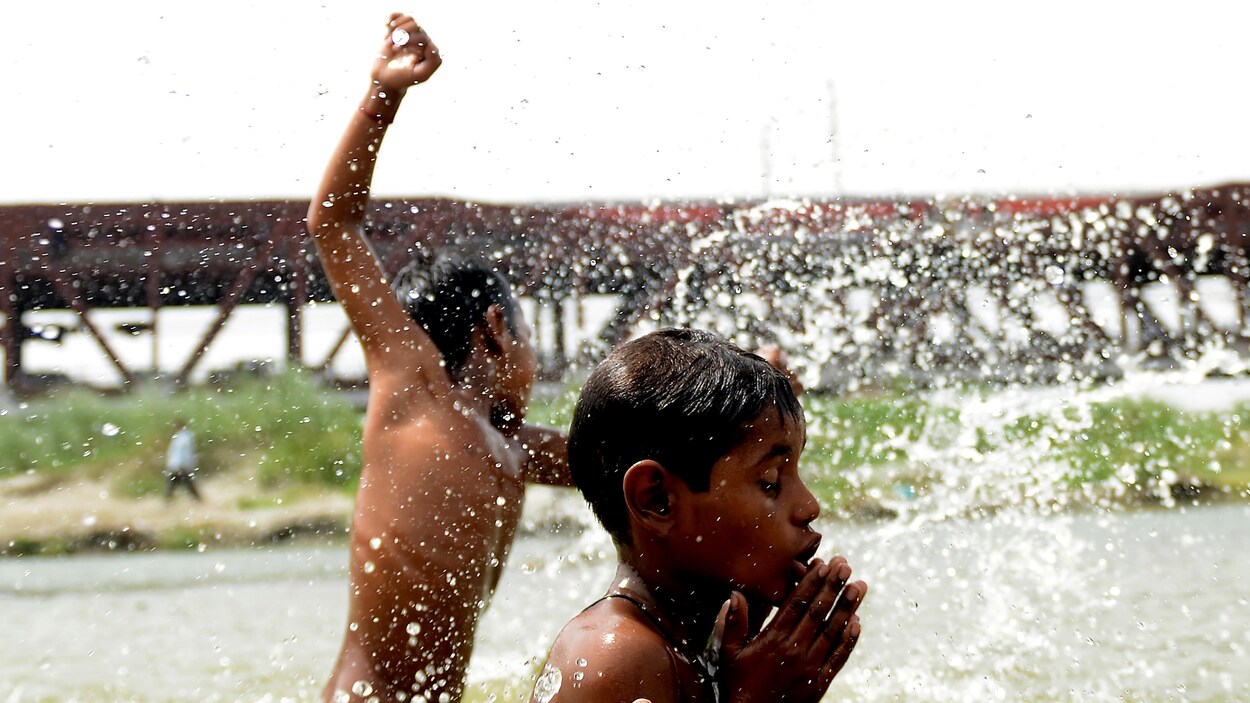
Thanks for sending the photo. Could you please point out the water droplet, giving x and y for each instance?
(1054, 275)
(375, 542)
(581, 662)
(548, 684)
(362, 688)
(110, 430)
(369, 567)
(413, 628)
(400, 36)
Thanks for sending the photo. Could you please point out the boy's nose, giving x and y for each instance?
(808, 508)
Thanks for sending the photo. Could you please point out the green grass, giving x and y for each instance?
(288, 427)
(1144, 439)
(875, 445)
(294, 433)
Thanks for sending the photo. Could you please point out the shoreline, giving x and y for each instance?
(54, 515)
(66, 515)
(43, 515)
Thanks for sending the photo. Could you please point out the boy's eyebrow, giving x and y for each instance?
(781, 449)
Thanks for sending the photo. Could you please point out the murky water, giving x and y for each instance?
(1149, 605)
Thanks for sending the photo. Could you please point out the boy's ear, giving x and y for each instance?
(495, 328)
(649, 496)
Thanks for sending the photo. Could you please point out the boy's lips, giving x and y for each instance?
(804, 558)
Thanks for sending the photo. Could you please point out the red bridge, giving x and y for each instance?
(152, 255)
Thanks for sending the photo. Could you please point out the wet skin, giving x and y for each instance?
(719, 558)
(444, 459)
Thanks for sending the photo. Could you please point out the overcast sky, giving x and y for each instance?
(571, 100)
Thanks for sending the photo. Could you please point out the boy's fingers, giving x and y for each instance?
(852, 596)
(808, 630)
(397, 19)
(732, 624)
(846, 644)
(839, 624)
(795, 607)
(406, 23)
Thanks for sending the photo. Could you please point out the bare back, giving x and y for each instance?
(440, 496)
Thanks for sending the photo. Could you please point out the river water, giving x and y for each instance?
(1142, 605)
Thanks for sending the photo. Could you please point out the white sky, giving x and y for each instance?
(569, 100)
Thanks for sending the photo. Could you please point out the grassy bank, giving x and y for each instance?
(279, 446)
(287, 427)
(899, 447)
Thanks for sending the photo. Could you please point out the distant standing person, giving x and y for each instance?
(180, 464)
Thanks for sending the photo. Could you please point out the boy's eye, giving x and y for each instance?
(770, 487)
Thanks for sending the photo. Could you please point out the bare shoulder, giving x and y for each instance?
(403, 392)
(608, 654)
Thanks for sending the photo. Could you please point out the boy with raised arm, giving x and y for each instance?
(446, 452)
(687, 449)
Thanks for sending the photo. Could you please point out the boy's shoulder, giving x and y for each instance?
(610, 652)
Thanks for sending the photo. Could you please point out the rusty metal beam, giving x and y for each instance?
(13, 330)
(297, 298)
(335, 349)
(226, 307)
(65, 289)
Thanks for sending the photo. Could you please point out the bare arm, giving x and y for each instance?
(392, 341)
(547, 460)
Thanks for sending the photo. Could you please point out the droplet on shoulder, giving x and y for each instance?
(548, 684)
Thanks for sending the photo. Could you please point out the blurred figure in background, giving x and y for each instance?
(180, 463)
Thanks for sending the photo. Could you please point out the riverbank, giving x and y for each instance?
(54, 514)
(57, 514)
(279, 459)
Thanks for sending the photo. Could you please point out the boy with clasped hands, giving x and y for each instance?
(687, 449)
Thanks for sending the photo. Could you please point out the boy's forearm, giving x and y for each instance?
(342, 198)
(548, 462)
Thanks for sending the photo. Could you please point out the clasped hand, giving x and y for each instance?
(407, 57)
(796, 656)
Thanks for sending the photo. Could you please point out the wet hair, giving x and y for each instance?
(679, 397)
(449, 297)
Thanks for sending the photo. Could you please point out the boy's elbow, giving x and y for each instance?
(317, 218)
(320, 223)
